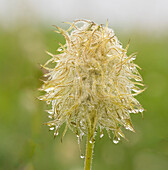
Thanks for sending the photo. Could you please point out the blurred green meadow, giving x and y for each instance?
(27, 144)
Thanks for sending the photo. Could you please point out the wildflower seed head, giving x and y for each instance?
(93, 83)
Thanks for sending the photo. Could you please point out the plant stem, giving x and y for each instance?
(89, 153)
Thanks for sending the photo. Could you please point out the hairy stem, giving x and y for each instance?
(89, 153)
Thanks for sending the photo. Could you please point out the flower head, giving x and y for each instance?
(93, 83)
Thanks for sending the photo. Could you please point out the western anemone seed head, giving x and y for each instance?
(93, 83)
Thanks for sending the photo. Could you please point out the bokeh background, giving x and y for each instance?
(26, 32)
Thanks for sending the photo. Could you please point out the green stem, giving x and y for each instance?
(89, 153)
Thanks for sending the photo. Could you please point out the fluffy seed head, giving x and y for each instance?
(93, 83)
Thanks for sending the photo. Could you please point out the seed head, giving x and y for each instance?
(93, 83)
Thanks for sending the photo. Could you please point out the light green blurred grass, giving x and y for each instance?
(26, 144)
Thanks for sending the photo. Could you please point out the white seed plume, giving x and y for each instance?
(93, 83)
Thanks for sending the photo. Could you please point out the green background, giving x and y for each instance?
(27, 144)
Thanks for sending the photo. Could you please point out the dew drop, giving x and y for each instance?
(82, 156)
(115, 141)
(90, 141)
(81, 148)
(78, 140)
(56, 133)
(51, 128)
(141, 110)
(50, 116)
(101, 135)
(59, 49)
(133, 58)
